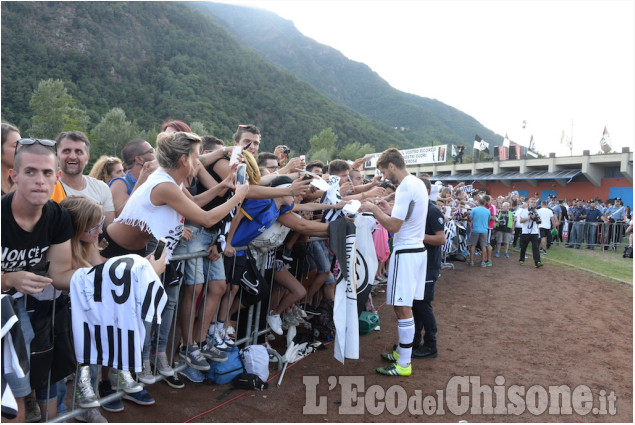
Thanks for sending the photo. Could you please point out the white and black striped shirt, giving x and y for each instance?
(110, 303)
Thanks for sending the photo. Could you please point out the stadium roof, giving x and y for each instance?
(510, 175)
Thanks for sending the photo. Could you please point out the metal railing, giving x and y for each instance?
(250, 337)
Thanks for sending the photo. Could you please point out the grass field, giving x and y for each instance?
(605, 263)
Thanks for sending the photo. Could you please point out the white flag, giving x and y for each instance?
(531, 150)
(484, 146)
(345, 315)
(506, 141)
(477, 142)
(605, 142)
(454, 152)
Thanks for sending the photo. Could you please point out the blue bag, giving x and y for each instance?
(224, 372)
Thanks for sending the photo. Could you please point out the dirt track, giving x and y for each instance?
(529, 327)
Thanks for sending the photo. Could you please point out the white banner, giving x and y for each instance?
(425, 155)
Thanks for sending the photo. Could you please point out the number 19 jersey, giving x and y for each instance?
(110, 303)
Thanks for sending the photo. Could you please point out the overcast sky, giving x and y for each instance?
(558, 65)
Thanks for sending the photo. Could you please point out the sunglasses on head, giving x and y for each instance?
(28, 141)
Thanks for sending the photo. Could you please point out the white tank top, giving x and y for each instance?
(162, 221)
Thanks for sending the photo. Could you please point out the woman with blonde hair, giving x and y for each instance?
(107, 168)
(159, 208)
(87, 216)
(10, 137)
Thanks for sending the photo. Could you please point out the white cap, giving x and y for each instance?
(438, 183)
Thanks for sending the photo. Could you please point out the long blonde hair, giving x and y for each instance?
(85, 214)
(103, 167)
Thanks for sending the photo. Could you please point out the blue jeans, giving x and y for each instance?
(575, 238)
(164, 328)
(423, 315)
(591, 234)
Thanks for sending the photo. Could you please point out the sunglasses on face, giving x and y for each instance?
(95, 229)
(27, 142)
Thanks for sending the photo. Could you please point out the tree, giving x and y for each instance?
(54, 110)
(323, 145)
(112, 133)
(199, 128)
(355, 150)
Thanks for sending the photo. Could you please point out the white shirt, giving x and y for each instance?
(411, 206)
(96, 190)
(162, 221)
(529, 226)
(545, 216)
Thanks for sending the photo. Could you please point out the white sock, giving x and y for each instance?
(406, 329)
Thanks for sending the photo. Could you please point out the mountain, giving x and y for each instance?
(163, 60)
(353, 84)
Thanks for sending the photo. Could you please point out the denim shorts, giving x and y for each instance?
(21, 387)
(200, 270)
(319, 253)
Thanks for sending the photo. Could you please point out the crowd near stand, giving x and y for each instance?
(166, 262)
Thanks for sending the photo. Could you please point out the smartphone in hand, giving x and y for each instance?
(240, 173)
(160, 247)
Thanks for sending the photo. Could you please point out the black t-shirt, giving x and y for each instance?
(434, 222)
(219, 200)
(22, 250)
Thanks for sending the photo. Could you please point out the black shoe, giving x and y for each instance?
(174, 381)
(424, 352)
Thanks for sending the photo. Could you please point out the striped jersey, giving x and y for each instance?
(110, 303)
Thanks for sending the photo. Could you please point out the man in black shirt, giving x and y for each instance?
(35, 230)
(422, 309)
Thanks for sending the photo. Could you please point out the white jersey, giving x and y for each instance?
(545, 218)
(110, 303)
(14, 355)
(411, 206)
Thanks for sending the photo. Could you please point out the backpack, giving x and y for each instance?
(323, 325)
(256, 361)
(628, 252)
(224, 372)
(249, 381)
(367, 322)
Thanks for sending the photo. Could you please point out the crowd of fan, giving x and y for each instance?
(595, 223)
(111, 214)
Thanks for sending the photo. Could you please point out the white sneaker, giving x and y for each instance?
(146, 375)
(92, 416)
(221, 340)
(84, 392)
(275, 323)
(122, 380)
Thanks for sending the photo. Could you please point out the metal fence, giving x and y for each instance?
(607, 236)
(250, 337)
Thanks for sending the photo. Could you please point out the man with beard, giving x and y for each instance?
(73, 151)
(406, 220)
